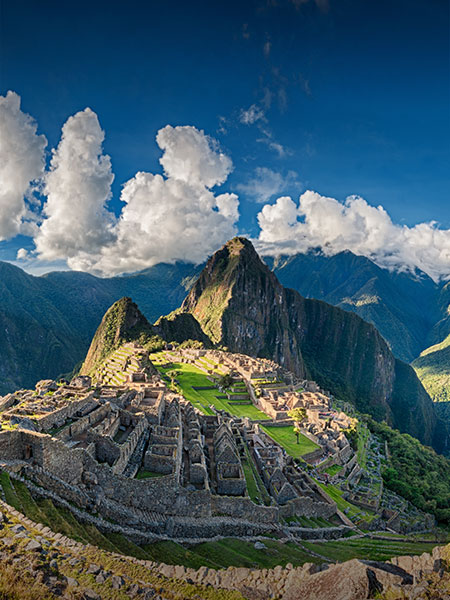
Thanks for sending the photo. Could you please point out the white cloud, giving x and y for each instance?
(268, 140)
(267, 183)
(267, 48)
(318, 221)
(164, 218)
(193, 157)
(253, 114)
(22, 160)
(22, 254)
(77, 187)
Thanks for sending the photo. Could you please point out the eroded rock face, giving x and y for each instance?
(348, 581)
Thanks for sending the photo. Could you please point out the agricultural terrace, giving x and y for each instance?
(215, 554)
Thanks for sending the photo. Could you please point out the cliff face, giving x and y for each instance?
(240, 304)
(343, 353)
(122, 322)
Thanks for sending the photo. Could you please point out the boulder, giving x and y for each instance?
(33, 546)
(347, 581)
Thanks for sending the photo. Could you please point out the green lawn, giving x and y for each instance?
(333, 470)
(349, 509)
(363, 439)
(286, 437)
(191, 377)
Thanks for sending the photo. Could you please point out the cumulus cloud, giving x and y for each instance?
(267, 183)
(253, 114)
(22, 161)
(167, 217)
(321, 222)
(78, 187)
(193, 157)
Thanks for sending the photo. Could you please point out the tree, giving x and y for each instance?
(298, 415)
(173, 374)
(226, 381)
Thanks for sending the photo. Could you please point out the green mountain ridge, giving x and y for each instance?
(48, 322)
(122, 322)
(433, 369)
(50, 328)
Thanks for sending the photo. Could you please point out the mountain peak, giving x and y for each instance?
(122, 322)
(240, 304)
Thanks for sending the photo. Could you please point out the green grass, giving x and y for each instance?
(192, 377)
(10, 494)
(252, 487)
(28, 504)
(363, 439)
(172, 553)
(234, 552)
(343, 505)
(286, 437)
(143, 474)
(366, 548)
(333, 470)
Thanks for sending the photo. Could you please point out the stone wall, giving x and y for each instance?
(58, 417)
(307, 507)
(83, 423)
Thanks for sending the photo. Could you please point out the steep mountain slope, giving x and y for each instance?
(433, 369)
(123, 322)
(240, 304)
(402, 306)
(48, 322)
(36, 337)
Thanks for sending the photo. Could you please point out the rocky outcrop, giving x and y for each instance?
(402, 577)
(241, 305)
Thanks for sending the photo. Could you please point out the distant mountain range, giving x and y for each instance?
(48, 321)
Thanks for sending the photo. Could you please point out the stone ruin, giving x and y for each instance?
(136, 453)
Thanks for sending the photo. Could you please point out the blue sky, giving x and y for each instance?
(353, 96)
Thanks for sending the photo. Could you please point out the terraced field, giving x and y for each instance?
(219, 554)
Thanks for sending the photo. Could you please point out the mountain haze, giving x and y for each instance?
(404, 307)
